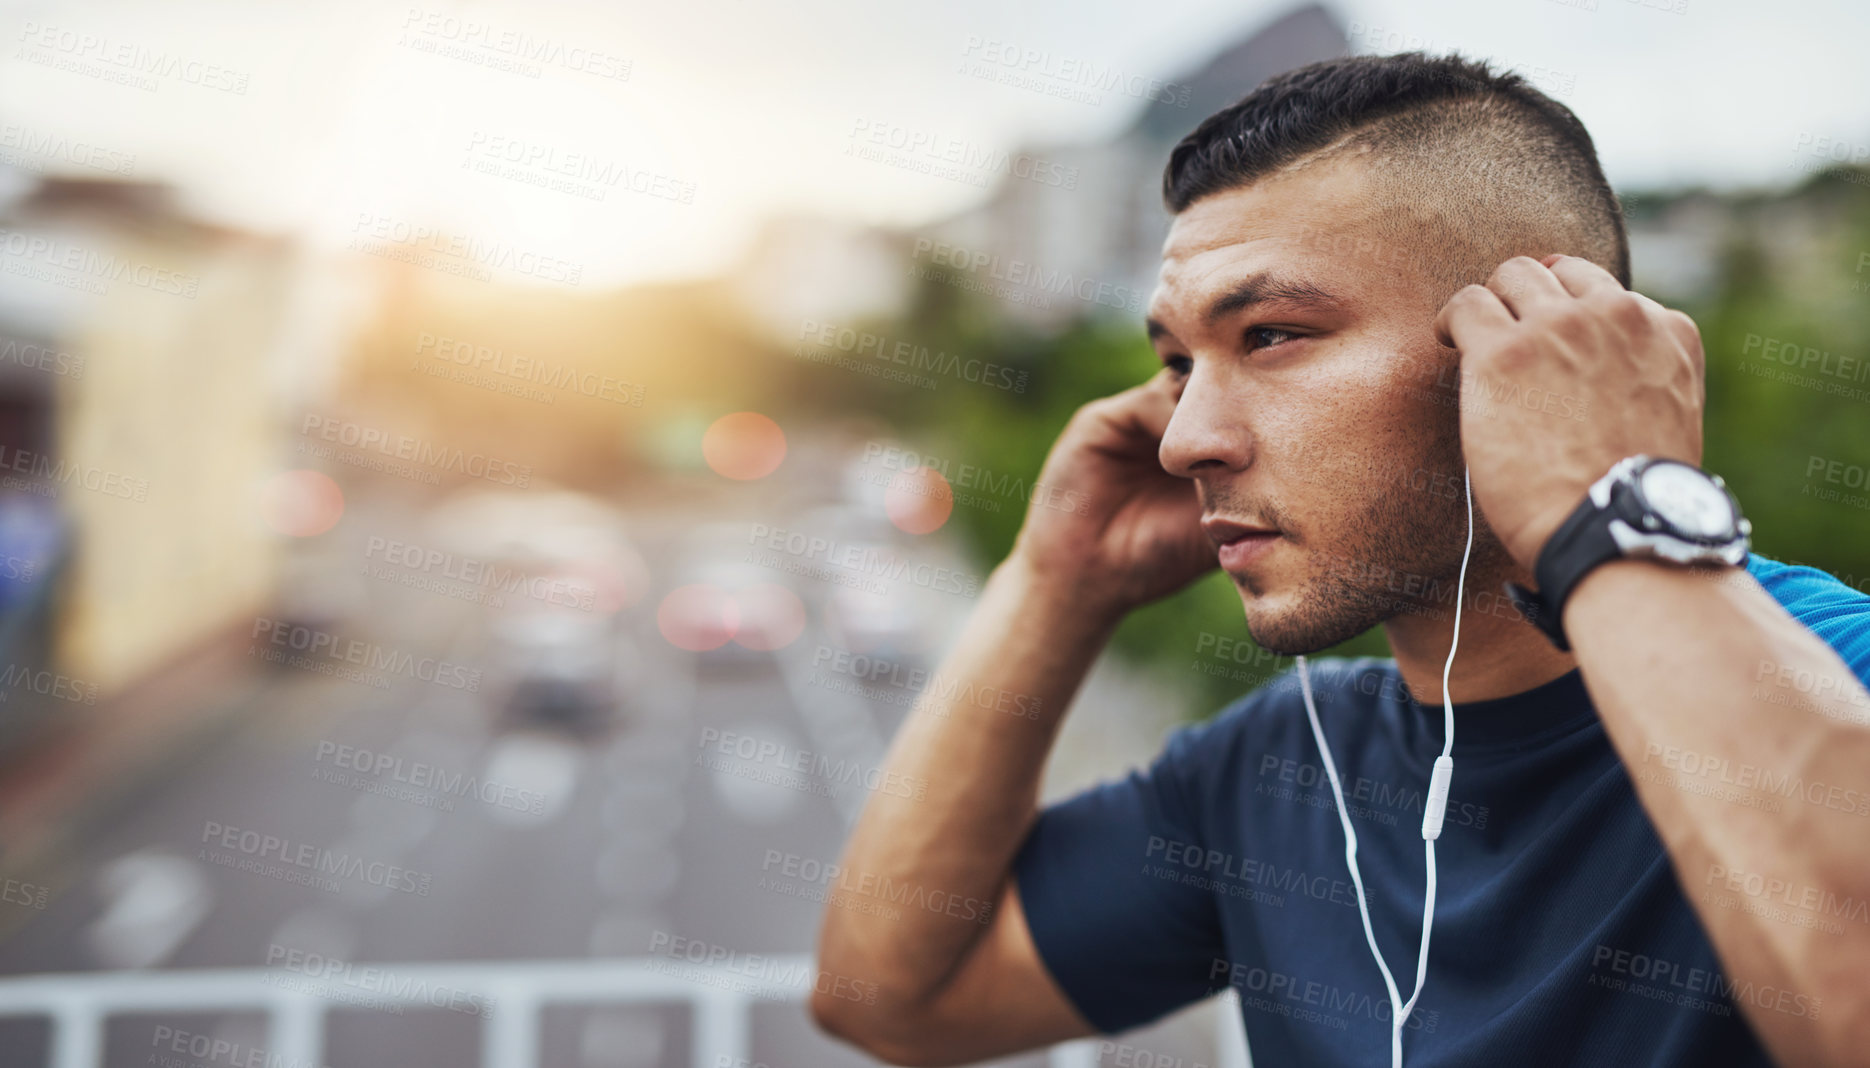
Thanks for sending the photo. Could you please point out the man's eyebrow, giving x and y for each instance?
(1262, 288)
(1265, 288)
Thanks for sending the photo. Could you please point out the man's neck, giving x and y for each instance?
(1500, 653)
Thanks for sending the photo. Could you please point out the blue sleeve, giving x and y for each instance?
(1828, 608)
(1101, 881)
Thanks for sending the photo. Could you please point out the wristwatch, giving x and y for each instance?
(1645, 508)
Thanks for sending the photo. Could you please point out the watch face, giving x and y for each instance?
(1689, 501)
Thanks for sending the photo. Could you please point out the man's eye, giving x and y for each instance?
(1179, 365)
(1259, 337)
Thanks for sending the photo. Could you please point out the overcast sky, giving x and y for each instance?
(326, 119)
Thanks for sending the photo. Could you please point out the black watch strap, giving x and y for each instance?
(1580, 543)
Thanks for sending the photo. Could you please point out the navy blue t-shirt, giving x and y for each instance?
(1561, 936)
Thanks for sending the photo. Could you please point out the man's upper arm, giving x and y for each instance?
(1102, 880)
(1000, 999)
(1095, 930)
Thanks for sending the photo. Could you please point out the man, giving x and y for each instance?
(1654, 848)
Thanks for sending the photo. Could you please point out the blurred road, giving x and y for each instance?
(484, 837)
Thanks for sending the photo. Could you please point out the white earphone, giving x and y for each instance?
(1433, 809)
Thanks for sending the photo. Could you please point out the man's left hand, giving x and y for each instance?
(1563, 373)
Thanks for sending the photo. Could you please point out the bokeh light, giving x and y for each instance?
(301, 504)
(771, 616)
(744, 445)
(698, 618)
(918, 501)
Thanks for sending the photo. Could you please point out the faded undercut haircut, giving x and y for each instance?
(1479, 159)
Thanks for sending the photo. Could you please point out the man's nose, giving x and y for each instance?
(1207, 433)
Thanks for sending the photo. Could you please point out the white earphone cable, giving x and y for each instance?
(1434, 808)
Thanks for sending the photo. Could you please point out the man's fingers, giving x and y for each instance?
(1679, 325)
(1581, 276)
(1141, 412)
(1523, 284)
(1470, 317)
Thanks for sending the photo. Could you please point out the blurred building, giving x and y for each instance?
(1085, 240)
(1096, 248)
(145, 357)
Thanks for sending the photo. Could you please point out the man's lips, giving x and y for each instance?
(1238, 544)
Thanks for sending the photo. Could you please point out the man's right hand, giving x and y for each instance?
(1134, 535)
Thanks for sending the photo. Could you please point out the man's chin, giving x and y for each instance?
(1297, 621)
(1267, 614)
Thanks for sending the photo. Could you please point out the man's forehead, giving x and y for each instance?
(1288, 224)
(1288, 208)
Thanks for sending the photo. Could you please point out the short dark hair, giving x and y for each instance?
(1434, 121)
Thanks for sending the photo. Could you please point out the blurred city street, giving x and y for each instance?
(482, 484)
(529, 818)
(579, 849)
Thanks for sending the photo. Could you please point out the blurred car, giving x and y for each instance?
(559, 655)
(726, 604)
(559, 670)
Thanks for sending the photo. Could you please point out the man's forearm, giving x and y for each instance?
(977, 743)
(1715, 698)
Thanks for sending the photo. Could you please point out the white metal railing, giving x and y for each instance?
(78, 1004)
